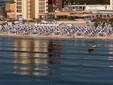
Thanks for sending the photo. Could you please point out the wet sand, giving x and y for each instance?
(51, 36)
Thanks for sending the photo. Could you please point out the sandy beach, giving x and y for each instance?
(79, 23)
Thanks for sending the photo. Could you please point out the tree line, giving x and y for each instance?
(88, 2)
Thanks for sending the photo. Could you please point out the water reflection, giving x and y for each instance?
(110, 52)
(36, 57)
(54, 49)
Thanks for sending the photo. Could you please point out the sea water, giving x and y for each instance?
(55, 62)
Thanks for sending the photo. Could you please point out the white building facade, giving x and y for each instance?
(104, 11)
(92, 7)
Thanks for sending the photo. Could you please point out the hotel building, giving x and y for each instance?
(29, 9)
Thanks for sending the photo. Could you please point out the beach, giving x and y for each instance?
(52, 36)
(79, 30)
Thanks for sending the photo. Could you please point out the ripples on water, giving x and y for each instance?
(55, 62)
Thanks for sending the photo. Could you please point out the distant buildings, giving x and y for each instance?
(94, 11)
(30, 9)
(89, 10)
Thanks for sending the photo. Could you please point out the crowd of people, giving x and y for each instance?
(68, 30)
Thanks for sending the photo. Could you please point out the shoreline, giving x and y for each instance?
(53, 37)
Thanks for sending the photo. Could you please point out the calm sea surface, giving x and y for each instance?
(55, 62)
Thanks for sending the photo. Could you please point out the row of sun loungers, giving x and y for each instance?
(68, 30)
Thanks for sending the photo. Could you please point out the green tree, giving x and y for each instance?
(96, 24)
(4, 14)
(71, 18)
(12, 1)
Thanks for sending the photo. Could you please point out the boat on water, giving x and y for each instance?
(94, 46)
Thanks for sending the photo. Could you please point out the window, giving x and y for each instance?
(41, 11)
(19, 7)
(19, 3)
(41, 0)
(19, 11)
(41, 7)
(41, 3)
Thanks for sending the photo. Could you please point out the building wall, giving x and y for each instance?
(41, 8)
(32, 14)
(11, 15)
(18, 8)
(24, 9)
(10, 9)
(36, 8)
(58, 4)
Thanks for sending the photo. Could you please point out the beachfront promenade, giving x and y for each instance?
(55, 30)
